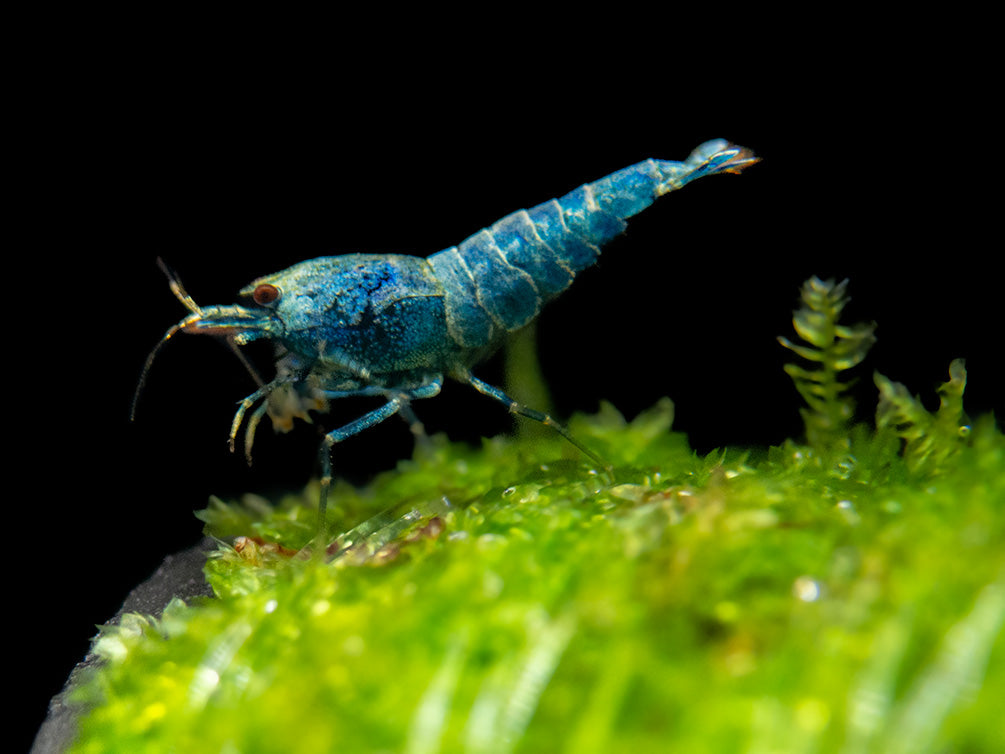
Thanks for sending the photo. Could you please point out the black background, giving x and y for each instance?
(233, 166)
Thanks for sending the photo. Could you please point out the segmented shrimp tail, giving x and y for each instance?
(497, 280)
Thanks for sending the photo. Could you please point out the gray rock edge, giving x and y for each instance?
(180, 575)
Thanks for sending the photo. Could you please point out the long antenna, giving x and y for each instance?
(174, 282)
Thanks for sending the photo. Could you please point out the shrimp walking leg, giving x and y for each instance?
(518, 408)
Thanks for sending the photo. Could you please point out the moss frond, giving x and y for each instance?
(832, 348)
(929, 439)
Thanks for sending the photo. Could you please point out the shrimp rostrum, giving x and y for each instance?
(394, 326)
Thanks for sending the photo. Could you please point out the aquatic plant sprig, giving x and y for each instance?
(929, 440)
(834, 348)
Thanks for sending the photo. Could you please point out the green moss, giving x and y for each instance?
(842, 594)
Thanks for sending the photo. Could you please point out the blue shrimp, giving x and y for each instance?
(393, 326)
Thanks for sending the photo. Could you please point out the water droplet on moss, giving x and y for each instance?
(806, 589)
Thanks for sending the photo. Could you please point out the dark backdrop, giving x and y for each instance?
(230, 177)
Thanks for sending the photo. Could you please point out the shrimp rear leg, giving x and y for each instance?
(415, 426)
(398, 402)
(518, 408)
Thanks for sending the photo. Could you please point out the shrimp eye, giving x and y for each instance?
(265, 294)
